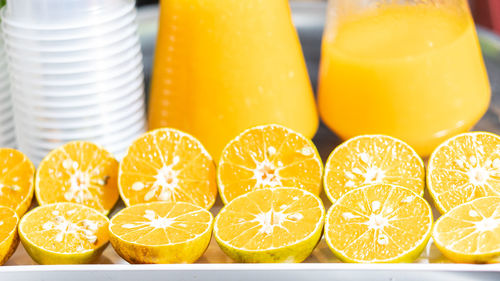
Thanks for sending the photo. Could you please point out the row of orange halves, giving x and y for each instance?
(269, 177)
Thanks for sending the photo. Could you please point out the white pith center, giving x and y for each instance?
(152, 220)
(166, 182)
(78, 190)
(373, 175)
(377, 222)
(378, 219)
(478, 175)
(86, 228)
(268, 221)
(478, 171)
(487, 224)
(266, 174)
(367, 172)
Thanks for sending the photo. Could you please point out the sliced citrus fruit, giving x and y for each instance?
(378, 223)
(268, 156)
(79, 172)
(270, 225)
(470, 232)
(17, 175)
(64, 233)
(161, 232)
(371, 159)
(464, 168)
(9, 238)
(167, 165)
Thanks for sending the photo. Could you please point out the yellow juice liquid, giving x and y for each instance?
(222, 66)
(412, 72)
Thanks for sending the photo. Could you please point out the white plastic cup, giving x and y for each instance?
(39, 66)
(16, 40)
(77, 79)
(62, 14)
(76, 111)
(69, 124)
(71, 36)
(88, 55)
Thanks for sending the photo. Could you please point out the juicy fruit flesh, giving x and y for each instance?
(8, 233)
(378, 223)
(83, 172)
(268, 219)
(161, 223)
(167, 165)
(471, 229)
(465, 168)
(268, 156)
(8, 222)
(65, 228)
(373, 159)
(16, 180)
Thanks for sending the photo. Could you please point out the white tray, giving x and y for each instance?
(321, 265)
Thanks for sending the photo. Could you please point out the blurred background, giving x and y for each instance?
(486, 12)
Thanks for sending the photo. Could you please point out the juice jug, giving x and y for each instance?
(222, 66)
(410, 69)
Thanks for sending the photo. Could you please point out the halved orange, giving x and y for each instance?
(9, 238)
(17, 175)
(464, 168)
(470, 232)
(161, 232)
(279, 224)
(379, 223)
(64, 233)
(79, 172)
(265, 157)
(371, 159)
(167, 165)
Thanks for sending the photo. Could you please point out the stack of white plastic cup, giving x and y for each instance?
(76, 73)
(7, 133)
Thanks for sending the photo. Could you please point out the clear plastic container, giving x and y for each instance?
(55, 103)
(63, 14)
(88, 55)
(76, 123)
(78, 79)
(75, 109)
(111, 131)
(55, 68)
(16, 40)
(64, 89)
(68, 36)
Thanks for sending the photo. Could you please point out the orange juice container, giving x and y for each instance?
(409, 69)
(222, 66)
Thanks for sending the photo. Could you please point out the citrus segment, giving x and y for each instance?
(270, 225)
(371, 159)
(79, 172)
(167, 165)
(268, 156)
(470, 232)
(161, 232)
(17, 175)
(464, 168)
(378, 223)
(9, 238)
(64, 233)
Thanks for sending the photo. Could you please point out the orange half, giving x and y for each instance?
(79, 172)
(266, 157)
(17, 174)
(167, 165)
(9, 238)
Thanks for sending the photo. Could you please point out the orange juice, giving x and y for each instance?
(222, 66)
(414, 72)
